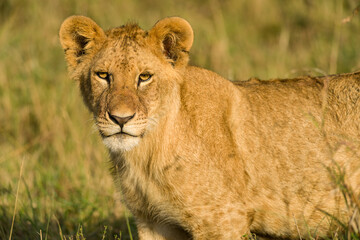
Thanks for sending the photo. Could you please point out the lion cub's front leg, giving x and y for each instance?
(155, 231)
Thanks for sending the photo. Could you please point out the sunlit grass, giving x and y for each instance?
(65, 184)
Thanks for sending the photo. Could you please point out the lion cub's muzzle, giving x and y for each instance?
(122, 130)
(122, 121)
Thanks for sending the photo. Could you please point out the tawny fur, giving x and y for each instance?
(204, 158)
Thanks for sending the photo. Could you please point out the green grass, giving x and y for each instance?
(65, 189)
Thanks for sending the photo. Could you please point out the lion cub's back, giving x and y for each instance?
(289, 132)
(341, 92)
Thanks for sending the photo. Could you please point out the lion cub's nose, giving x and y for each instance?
(120, 120)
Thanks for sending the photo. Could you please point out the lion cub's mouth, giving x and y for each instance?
(120, 134)
(120, 141)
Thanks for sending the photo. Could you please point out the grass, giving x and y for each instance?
(65, 190)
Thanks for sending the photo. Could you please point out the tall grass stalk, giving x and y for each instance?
(128, 224)
(16, 199)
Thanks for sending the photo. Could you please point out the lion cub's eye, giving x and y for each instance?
(103, 75)
(144, 77)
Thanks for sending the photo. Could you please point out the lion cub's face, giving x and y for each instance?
(125, 79)
(128, 77)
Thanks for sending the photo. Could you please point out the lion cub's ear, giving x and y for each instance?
(80, 38)
(174, 36)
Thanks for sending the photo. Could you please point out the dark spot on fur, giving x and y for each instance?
(174, 163)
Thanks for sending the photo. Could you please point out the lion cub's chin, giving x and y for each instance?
(121, 143)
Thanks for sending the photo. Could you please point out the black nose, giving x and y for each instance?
(120, 120)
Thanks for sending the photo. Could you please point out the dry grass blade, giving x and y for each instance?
(16, 199)
(297, 228)
(60, 230)
(354, 222)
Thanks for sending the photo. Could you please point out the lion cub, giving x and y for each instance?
(199, 157)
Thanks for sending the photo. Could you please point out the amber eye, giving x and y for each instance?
(103, 75)
(144, 77)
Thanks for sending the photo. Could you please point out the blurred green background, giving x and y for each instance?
(65, 184)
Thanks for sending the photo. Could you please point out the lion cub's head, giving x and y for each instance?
(128, 77)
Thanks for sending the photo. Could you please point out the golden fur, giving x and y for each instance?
(199, 157)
